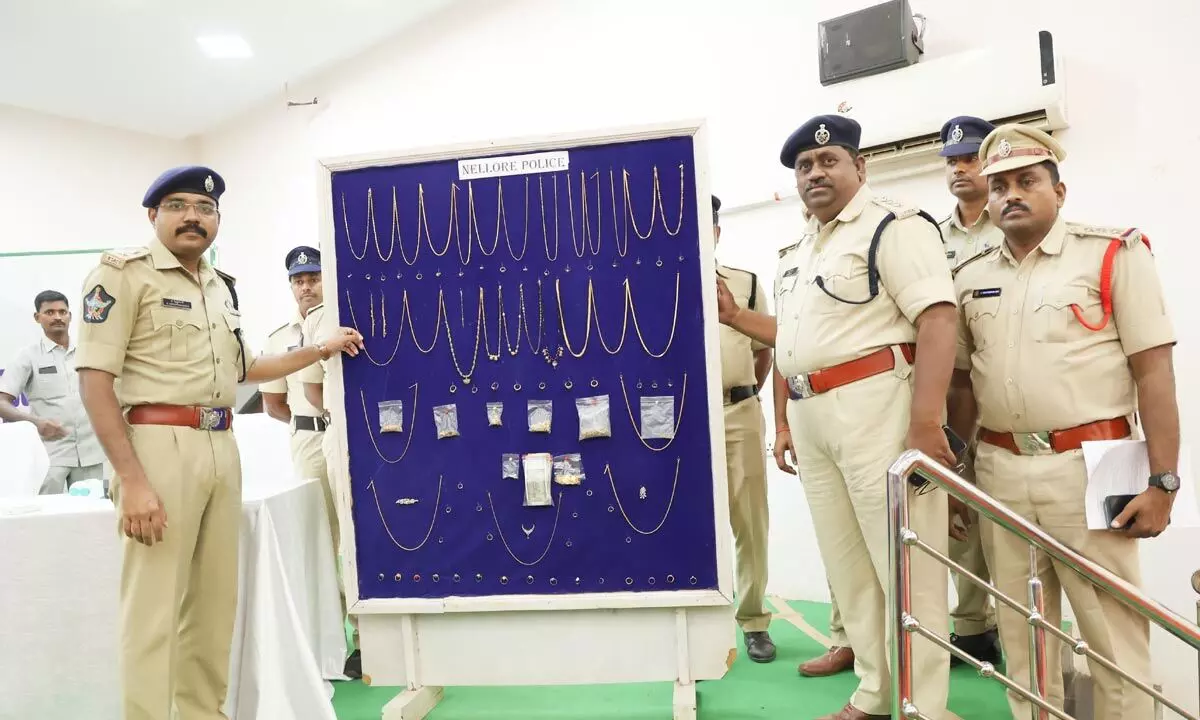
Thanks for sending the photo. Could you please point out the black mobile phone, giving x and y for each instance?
(957, 445)
(1114, 505)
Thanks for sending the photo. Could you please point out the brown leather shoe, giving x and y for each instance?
(836, 660)
(852, 713)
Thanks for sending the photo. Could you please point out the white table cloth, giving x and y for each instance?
(60, 565)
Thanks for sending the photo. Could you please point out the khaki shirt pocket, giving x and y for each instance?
(181, 332)
(1055, 320)
(981, 315)
(844, 276)
(49, 385)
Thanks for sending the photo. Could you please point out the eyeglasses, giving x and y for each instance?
(203, 209)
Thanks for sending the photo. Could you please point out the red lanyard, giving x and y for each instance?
(1106, 272)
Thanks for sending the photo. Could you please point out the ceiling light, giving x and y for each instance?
(225, 47)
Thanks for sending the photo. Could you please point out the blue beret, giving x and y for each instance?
(821, 131)
(303, 259)
(189, 179)
(963, 135)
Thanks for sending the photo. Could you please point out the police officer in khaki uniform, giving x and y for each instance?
(1063, 336)
(968, 231)
(745, 364)
(867, 348)
(167, 324)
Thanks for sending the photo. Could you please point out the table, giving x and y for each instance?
(60, 567)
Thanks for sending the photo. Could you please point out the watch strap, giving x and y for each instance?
(1157, 481)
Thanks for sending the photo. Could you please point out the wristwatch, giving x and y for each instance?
(1168, 482)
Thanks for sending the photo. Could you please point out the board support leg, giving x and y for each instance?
(418, 700)
(684, 703)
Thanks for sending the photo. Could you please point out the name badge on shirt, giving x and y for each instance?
(951, 254)
(791, 271)
(985, 293)
(48, 370)
(177, 304)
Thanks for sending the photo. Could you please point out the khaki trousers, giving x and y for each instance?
(1049, 490)
(846, 440)
(837, 630)
(974, 614)
(313, 455)
(745, 465)
(179, 597)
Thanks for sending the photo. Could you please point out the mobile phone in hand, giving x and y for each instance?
(1114, 505)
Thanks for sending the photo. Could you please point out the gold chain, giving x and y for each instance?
(662, 208)
(346, 224)
(553, 531)
(432, 522)
(503, 213)
(354, 322)
(621, 506)
(599, 330)
(525, 318)
(637, 328)
(472, 222)
(563, 323)
(396, 238)
(637, 431)
(629, 208)
(437, 327)
(571, 216)
(512, 349)
(466, 377)
(612, 189)
(487, 343)
(542, 201)
(371, 433)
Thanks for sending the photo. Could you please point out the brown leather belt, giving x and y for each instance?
(1056, 441)
(821, 381)
(193, 416)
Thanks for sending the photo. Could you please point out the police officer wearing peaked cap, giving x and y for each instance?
(167, 324)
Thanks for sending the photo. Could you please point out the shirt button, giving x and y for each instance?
(789, 353)
(1020, 277)
(218, 361)
(1008, 381)
(1014, 311)
(212, 327)
(1012, 345)
(218, 394)
(178, 323)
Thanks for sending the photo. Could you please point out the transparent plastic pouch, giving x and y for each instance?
(510, 466)
(568, 469)
(391, 416)
(658, 417)
(541, 412)
(538, 468)
(593, 417)
(495, 412)
(445, 417)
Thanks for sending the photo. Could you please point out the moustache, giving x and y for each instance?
(191, 228)
(1016, 206)
(814, 186)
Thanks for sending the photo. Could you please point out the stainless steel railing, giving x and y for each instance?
(902, 540)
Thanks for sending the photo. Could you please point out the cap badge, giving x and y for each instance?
(1005, 149)
(822, 135)
(956, 135)
(302, 259)
(208, 184)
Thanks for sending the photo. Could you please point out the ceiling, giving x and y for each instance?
(136, 64)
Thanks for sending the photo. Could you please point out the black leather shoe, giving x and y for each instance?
(759, 647)
(984, 647)
(353, 669)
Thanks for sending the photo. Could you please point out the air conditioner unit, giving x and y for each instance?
(902, 111)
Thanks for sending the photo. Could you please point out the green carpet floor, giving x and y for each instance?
(749, 691)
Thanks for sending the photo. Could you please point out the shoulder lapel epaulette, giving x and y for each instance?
(225, 276)
(788, 248)
(899, 209)
(281, 328)
(1129, 236)
(118, 258)
(973, 258)
(314, 308)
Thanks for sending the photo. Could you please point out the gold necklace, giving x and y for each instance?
(354, 322)
(662, 211)
(525, 319)
(503, 213)
(553, 531)
(472, 222)
(542, 202)
(346, 224)
(638, 432)
(432, 522)
(453, 230)
(599, 330)
(629, 208)
(396, 238)
(674, 486)
(637, 328)
(563, 323)
(512, 349)
(437, 328)
(466, 377)
(371, 433)
(571, 216)
(487, 343)
(612, 189)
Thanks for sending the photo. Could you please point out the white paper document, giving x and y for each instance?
(1122, 467)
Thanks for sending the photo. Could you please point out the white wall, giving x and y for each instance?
(524, 67)
(67, 186)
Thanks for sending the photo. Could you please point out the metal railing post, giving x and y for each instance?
(1037, 637)
(900, 594)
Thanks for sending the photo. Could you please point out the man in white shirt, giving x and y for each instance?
(45, 373)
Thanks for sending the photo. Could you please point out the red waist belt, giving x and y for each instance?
(882, 360)
(1056, 441)
(193, 416)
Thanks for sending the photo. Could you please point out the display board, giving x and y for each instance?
(534, 413)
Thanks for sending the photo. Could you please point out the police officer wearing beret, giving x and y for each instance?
(1064, 338)
(167, 324)
(745, 365)
(865, 337)
(968, 231)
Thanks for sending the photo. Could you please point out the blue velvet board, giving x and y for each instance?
(448, 542)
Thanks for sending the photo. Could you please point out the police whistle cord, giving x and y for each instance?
(1106, 272)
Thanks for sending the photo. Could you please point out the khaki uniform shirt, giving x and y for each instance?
(1034, 367)
(816, 331)
(963, 243)
(283, 340)
(45, 372)
(737, 350)
(318, 326)
(166, 334)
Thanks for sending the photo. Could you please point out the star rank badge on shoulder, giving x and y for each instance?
(97, 305)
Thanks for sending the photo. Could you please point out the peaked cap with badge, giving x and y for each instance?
(821, 131)
(303, 259)
(187, 178)
(1013, 146)
(963, 135)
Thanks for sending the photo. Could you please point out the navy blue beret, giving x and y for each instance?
(821, 131)
(187, 178)
(303, 259)
(963, 135)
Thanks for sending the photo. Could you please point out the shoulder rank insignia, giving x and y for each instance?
(225, 276)
(281, 328)
(118, 258)
(788, 248)
(973, 258)
(899, 209)
(1128, 236)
